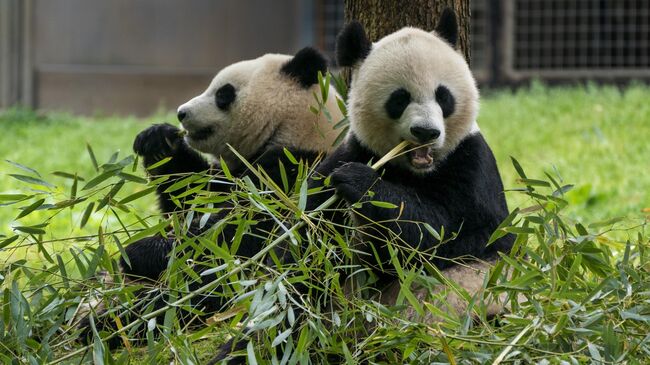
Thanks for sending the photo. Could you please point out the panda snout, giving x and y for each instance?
(425, 134)
(182, 114)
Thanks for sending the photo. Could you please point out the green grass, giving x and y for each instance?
(586, 287)
(594, 137)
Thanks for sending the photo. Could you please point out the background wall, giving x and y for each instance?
(130, 56)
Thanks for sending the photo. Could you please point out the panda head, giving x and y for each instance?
(257, 104)
(413, 86)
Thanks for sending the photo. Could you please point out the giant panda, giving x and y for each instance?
(260, 107)
(413, 86)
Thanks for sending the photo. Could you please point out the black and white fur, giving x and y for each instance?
(259, 107)
(414, 86)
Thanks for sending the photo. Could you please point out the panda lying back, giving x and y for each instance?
(414, 86)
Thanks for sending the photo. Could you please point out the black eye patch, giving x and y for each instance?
(397, 102)
(445, 100)
(225, 96)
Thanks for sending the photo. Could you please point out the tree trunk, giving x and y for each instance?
(382, 17)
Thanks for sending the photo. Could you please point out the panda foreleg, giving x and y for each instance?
(161, 141)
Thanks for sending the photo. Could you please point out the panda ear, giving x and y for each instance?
(447, 27)
(352, 45)
(304, 66)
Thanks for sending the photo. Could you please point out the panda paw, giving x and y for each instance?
(352, 180)
(158, 141)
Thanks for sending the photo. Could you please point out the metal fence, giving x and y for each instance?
(569, 39)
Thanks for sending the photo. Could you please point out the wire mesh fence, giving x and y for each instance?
(577, 38)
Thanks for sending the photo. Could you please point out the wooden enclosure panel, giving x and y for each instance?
(117, 93)
(131, 57)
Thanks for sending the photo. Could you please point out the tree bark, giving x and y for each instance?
(382, 17)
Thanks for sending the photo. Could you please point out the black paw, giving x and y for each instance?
(353, 180)
(158, 141)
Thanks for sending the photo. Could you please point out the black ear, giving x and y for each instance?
(352, 45)
(304, 66)
(447, 27)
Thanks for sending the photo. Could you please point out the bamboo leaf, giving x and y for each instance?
(93, 159)
(24, 168)
(137, 195)
(30, 208)
(68, 175)
(517, 166)
(159, 163)
(31, 180)
(86, 214)
(99, 179)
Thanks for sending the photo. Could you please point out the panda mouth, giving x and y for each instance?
(200, 134)
(421, 156)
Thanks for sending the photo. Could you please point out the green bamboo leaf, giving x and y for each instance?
(381, 204)
(8, 241)
(432, 231)
(92, 156)
(30, 208)
(534, 182)
(24, 168)
(250, 352)
(302, 200)
(134, 178)
(281, 337)
(183, 183)
(519, 230)
(158, 228)
(605, 223)
(159, 163)
(500, 232)
(518, 168)
(99, 179)
(134, 166)
(86, 215)
(341, 135)
(138, 195)
(68, 175)
(224, 167)
(14, 198)
(342, 107)
(31, 180)
(62, 270)
(290, 156)
(73, 189)
(30, 229)
(283, 176)
(111, 194)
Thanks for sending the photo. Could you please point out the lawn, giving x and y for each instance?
(586, 283)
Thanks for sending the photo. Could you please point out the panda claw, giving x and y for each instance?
(352, 180)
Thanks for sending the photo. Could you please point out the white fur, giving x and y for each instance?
(268, 104)
(419, 62)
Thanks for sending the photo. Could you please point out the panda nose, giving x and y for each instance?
(424, 134)
(182, 113)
